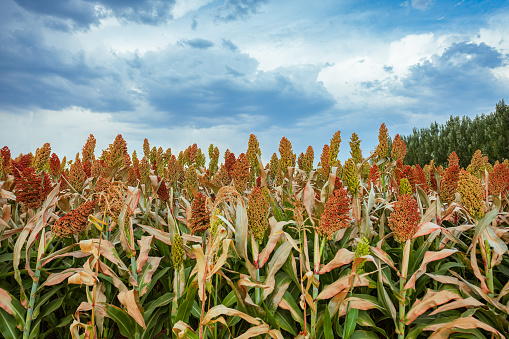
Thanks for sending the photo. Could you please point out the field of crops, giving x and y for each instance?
(159, 245)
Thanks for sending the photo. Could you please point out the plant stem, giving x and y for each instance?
(133, 268)
(35, 283)
(402, 282)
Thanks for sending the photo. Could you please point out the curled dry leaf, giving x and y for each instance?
(130, 300)
(145, 245)
(223, 310)
(468, 302)
(429, 256)
(431, 299)
(259, 330)
(443, 331)
(340, 285)
(342, 257)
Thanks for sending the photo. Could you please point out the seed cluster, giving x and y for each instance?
(404, 220)
(336, 214)
(257, 211)
(73, 222)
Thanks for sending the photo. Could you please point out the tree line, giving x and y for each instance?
(463, 135)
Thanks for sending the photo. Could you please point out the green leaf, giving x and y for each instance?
(8, 327)
(153, 281)
(230, 299)
(327, 325)
(44, 298)
(184, 309)
(154, 324)
(13, 307)
(350, 322)
(364, 335)
(285, 322)
(51, 307)
(125, 323)
(163, 300)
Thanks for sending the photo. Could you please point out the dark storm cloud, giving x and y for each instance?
(462, 74)
(457, 82)
(196, 43)
(82, 14)
(233, 10)
(35, 75)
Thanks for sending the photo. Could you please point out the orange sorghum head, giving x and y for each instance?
(382, 149)
(77, 175)
(73, 222)
(240, 173)
(200, 216)
(374, 176)
(404, 220)
(472, 194)
(32, 189)
(287, 156)
(453, 159)
(420, 177)
(499, 180)
(449, 182)
(54, 165)
(5, 158)
(88, 149)
(399, 148)
(336, 214)
(324, 162)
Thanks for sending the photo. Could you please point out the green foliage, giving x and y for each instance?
(464, 135)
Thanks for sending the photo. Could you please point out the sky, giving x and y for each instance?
(180, 72)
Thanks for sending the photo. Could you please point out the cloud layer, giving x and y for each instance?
(214, 72)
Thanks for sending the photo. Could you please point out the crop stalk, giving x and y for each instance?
(402, 282)
(35, 284)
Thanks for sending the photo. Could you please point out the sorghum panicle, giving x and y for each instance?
(336, 214)
(382, 149)
(200, 216)
(405, 187)
(253, 149)
(335, 142)
(287, 156)
(177, 251)
(404, 220)
(41, 161)
(355, 148)
(499, 180)
(73, 222)
(324, 162)
(399, 148)
(241, 173)
(257, 211)
(88, 149)
(350, 177)
(478, 164)
(472, 194)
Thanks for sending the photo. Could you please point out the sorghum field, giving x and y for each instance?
(157, 245)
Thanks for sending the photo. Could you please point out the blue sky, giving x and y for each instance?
(179, 72)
